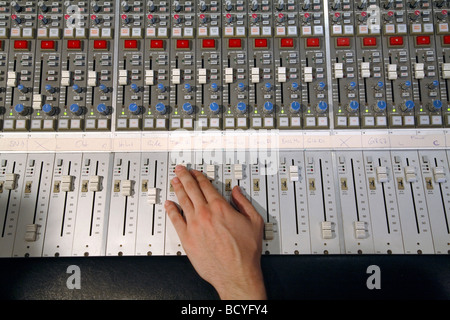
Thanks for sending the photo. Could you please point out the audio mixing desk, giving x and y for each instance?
(332, 116)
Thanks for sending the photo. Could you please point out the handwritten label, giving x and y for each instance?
(317, 142)
(14, 144)
(42, 144)
(375, 141)
(291, 142)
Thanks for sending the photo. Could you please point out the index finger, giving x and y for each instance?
(209, 191)
(190, 185)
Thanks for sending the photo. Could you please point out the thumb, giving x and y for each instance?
(177, 219)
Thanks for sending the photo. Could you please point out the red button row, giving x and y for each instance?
(51, 45)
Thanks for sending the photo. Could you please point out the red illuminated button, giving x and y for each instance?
(446, 40)
(21, 45)
(287, 43)
(396, 41)
(343, 42)
(208, 43)
(260, 43)
(1, 45)
(157, 44)
(370, 42)
(423, 40)
(100, 44)
(74, 45)
(130, 44)
(234, 43)
(48, 45)
(313, 42)
(183, 44)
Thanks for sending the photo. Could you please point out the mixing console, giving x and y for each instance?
(235, 64)
(99, 100)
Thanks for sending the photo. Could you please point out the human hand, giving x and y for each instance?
(224, 245)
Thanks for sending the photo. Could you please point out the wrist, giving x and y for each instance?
(248, 288)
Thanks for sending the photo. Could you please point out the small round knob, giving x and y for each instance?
(295, 107)
(214, 108)
(436, 105)
(353, 106)
(49, 110)
(77, 88)
(135, 109)
(408, 105)
(76, 109)
(103, 88)
(380, 106)
(187, 107)
(268, 107)
(50, 89)
(103, 109)
(161, 108)
(188, 87)
(22, 88)
(322, 107)
(321, 86)
(214, 87)
(135, 88)
(241, 107)
(161, 88)
(22, 110)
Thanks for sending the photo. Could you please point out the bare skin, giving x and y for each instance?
(224, 245)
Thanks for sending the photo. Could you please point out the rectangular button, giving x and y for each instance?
(234, 43)
(183, 44)
(261, 43)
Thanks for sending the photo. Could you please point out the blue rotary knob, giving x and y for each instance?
(77, 88)
(22, 88)
(408, 105)
(379, 85)
(214, 107)
(50, 89)
(295, 107)
(380, 106)
(241, 107)
(161, 88)
(435, 106)
(268, 107)
(188, 87)
(187, 107)
(135, 109)
(322, 107)
(103, 88)
(76, 109)
(353, 106)
(22, 110)
(161, 108)
(321, 86)
(103, 109)
(49, 110)
(135, 88)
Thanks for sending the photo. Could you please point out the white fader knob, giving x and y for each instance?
(10, 181)
(152, 195)
(211, 171)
